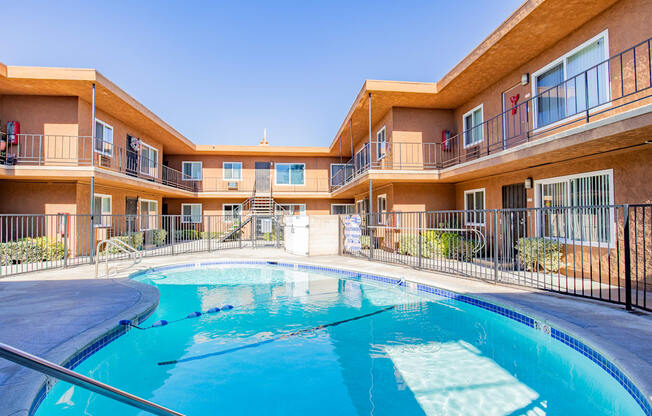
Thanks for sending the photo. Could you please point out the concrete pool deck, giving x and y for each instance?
(624, 338)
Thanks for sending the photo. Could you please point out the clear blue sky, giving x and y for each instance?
(221, 72)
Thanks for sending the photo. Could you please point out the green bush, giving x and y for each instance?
(455, 246)
(409, 244)
(182, 235)
(536, 253)
(364, 241)
(27, 250)
(158, 237)
(135, 240)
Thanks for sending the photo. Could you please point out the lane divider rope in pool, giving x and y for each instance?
(284, 336)
(163, 322)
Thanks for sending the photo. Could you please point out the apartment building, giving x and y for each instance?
(553, 108)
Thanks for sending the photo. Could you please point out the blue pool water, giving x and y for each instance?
(407, 354)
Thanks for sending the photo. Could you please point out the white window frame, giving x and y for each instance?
(149, 168)
(479, 126)
(110, 127)
(381, 214)
(352, 211)
(379, 155)
(105, 222)
(191, 216)
(224, 214)
(239, 164)
(562, 59)
(469, 215)
(192, 163)
(302, 208)
(567, 178)
(276, 165)
(141, 215)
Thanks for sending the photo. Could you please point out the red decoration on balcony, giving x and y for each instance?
(514, 99)
(445, 140)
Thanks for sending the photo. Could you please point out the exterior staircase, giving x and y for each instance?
(262, 205)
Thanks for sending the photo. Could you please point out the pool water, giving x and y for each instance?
(405, 354)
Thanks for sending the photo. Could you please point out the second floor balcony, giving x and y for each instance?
(562, 101)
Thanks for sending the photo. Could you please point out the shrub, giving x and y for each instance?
(409, 244)
(135, 240)
(158, 237)
(182, 235)
(455, 246)
(27, 250)
(536, 253)
(364, 241)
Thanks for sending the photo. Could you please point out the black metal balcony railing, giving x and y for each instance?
(601, 90)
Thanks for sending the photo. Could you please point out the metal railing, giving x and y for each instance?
(49, 241)
(599, 252)
(604, 89)
(120, 246)
(61, 373)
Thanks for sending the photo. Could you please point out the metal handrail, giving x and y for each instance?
(120, 245)
(33, 362)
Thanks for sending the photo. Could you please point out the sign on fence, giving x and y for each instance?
(352, 232)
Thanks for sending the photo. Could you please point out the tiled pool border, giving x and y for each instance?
(555, 333)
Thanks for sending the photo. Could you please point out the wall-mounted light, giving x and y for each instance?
(525, 79)
(528, 183)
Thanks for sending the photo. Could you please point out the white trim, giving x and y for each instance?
(276, 164)
(141, 215)
(478, 126)
(201, 170)
(484, 206)
(155, 167)
(224, 214)
(302, 208)
(384, 130)
(381, 219)
(224, 171)
(566, 178)
(562, 59)
(191, 214)
(342, 205)
(102, 214)
(105, 124)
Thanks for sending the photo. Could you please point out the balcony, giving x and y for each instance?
(248, 185)
(68, 151)
(612, 86)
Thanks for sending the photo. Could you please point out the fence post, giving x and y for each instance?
(65, 240)
(628, 260)
(371, 236)
(173, 232)
(278, 230)
(419, 231)
(209, 233)
(253, 231)
(495, 246)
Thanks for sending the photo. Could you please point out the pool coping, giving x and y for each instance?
(92, 340)
(565, 332)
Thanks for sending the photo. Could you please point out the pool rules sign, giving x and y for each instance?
(352, 233)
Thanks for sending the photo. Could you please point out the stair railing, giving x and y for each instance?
(122, 247)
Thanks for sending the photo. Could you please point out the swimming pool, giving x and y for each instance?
(317, 342)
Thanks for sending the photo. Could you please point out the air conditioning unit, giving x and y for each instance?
(233, 185)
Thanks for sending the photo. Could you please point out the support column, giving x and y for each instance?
(371, 196)
(352, 153)
(92, 209)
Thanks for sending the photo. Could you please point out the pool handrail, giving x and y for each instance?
(33, 362)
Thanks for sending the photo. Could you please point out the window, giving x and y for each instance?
(148, 213)
(103, 138)
(191, 213)
(231, 212)
(361, 206)
(381, 144)
(192, 171)
(290, 173)
(563, 86)
(591, 224)
(291, 209)
(340, 173)
(102, 210)
(148, 160)
(474, 200)
(473, 126)
(381, 205)
(362, 159)
(232, 171)
(340, 209)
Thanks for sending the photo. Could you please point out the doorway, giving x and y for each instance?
(262, 177)
(131, 212)
(513, 221)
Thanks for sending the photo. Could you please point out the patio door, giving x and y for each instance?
(131, 211)
(513, 221)
(262, 177)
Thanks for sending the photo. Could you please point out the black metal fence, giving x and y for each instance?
(37, 242)
(598, 252)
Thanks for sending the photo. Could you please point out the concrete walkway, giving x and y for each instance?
(623, 337)
(54, 319)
